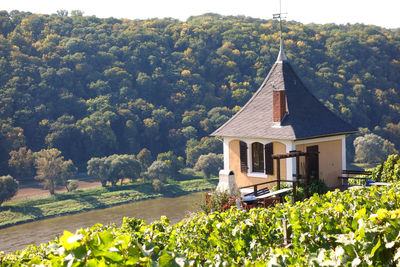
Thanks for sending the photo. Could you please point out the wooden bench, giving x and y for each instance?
(250, 191)
(354, 174)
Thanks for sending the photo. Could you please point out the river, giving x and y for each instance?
(19, 236)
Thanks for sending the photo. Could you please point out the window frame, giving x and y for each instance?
(264, 173)
(262, 163)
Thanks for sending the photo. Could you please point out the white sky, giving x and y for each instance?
(383, 13)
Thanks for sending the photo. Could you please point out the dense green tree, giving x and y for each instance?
(21, 163)
(145, 159)
(67, 137)
(189, 132)
(114, 168)
(123, 166)
(91, 87)
(215, 118)
(96, 167)
(372, 148)
(209, 164)
(194, 149)
(158, 170)
(173, 162)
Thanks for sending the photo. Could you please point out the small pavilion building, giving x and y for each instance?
(283, 116)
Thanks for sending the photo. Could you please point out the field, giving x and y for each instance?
(25, 210)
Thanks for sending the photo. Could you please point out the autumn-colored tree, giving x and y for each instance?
(51, 169)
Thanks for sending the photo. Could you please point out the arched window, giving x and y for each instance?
(257, 157)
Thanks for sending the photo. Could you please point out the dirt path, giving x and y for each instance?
(35, 190)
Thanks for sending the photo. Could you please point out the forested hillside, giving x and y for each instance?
(94, 87)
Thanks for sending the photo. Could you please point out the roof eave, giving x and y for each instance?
(326, 135)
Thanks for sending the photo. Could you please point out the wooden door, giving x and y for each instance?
(313, 162)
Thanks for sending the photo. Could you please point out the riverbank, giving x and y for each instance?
(27, 210)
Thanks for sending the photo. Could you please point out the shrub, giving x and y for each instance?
(318, 186)
(8, 188)
(72, 185)
(315, 187)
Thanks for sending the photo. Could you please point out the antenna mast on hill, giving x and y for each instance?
(281, 56)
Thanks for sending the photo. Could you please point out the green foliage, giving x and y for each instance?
(194, 149)
(388, 171)
(68, 171)
(209, 164)
(114, 168)
(158, 170)
(315, 187)
(353, 228)
(8, 188)
(145, 158)
(21, 163)
(96, 167)
(123, 166)
(372, 148)
(92, 87)
(318, 186)
(173, 162)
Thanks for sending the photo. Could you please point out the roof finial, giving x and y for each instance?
(281, 56)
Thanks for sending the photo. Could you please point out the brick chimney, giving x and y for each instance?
(279, 105)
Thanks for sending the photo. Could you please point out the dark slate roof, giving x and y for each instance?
(306, 117)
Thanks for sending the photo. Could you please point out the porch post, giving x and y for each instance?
(307, 177)
(290, 162)
(278, 173)
(344, 153)
(226, 153)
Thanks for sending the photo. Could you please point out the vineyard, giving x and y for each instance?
(357, 227)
